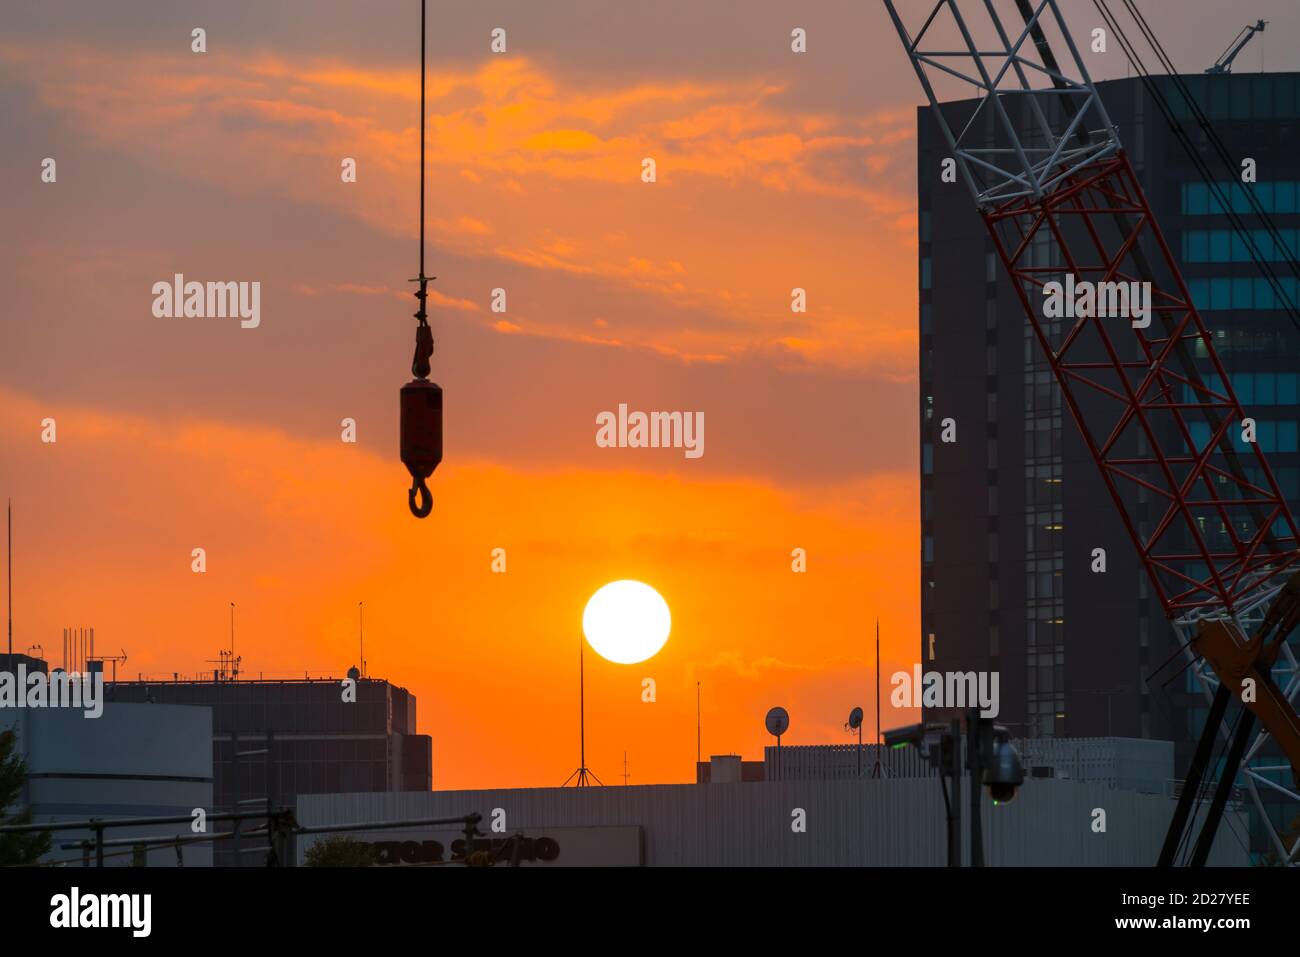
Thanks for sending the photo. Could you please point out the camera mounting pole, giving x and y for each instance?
(975, 764)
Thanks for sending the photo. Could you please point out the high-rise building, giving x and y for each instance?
(318, 742)
(1014, 509)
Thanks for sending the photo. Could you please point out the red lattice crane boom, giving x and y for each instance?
(1151, 399)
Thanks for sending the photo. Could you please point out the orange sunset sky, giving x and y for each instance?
(774, 171)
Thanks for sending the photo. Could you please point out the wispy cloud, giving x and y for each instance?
(749, 190)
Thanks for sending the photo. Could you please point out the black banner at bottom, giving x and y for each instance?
(307, 905)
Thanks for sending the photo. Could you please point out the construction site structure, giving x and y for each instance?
(1065, 210)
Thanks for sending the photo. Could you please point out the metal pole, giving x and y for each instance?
(361, 626)
(1192, 783)
(91, 823)
(1227, 776)
(877, 769)
(954, 819)
(975, 760)
(234, 791)
(99, 846)
(470, 830)
(272, 817)
(582, 716)
(10, 560)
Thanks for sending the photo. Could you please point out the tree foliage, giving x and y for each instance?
(340, 851)
(16, 849)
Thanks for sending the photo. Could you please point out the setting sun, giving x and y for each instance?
(626, 622)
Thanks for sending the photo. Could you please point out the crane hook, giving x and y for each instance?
(426, 499)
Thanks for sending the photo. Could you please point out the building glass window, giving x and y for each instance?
(1239, 293)
(1198, 199)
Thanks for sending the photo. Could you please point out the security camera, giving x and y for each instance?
(1003, 775)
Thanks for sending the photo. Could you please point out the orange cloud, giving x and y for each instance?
(752, 198)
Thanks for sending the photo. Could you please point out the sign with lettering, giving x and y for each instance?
(613, 846)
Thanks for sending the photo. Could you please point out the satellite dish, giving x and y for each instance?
(855, 719)
(777, 721)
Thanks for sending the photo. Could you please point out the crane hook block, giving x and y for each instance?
(421, 438)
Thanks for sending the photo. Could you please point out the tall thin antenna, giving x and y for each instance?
(625, 774)
(698, 756)
(10, 561)
(582, 713)
(878, 769)
(234, 669)
(361, 633)
(580, 776)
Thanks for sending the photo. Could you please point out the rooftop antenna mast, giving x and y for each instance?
(234, 662)
(10, 566)
(421, 400)
(855, 724)
(114, 659)
(698, 757)
(583, 776)
(878, 769)
(226, 661)
(777, 723)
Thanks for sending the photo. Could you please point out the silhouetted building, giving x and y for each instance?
(867, 822)
(1011, 512)
(10, 663)
(318, 743)
(130, 761)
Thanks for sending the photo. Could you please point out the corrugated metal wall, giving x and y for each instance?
(1138, 764)
(896, 822)
(841, 761)
(1131, 763)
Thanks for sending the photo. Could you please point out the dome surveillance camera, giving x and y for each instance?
(1004, 775)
